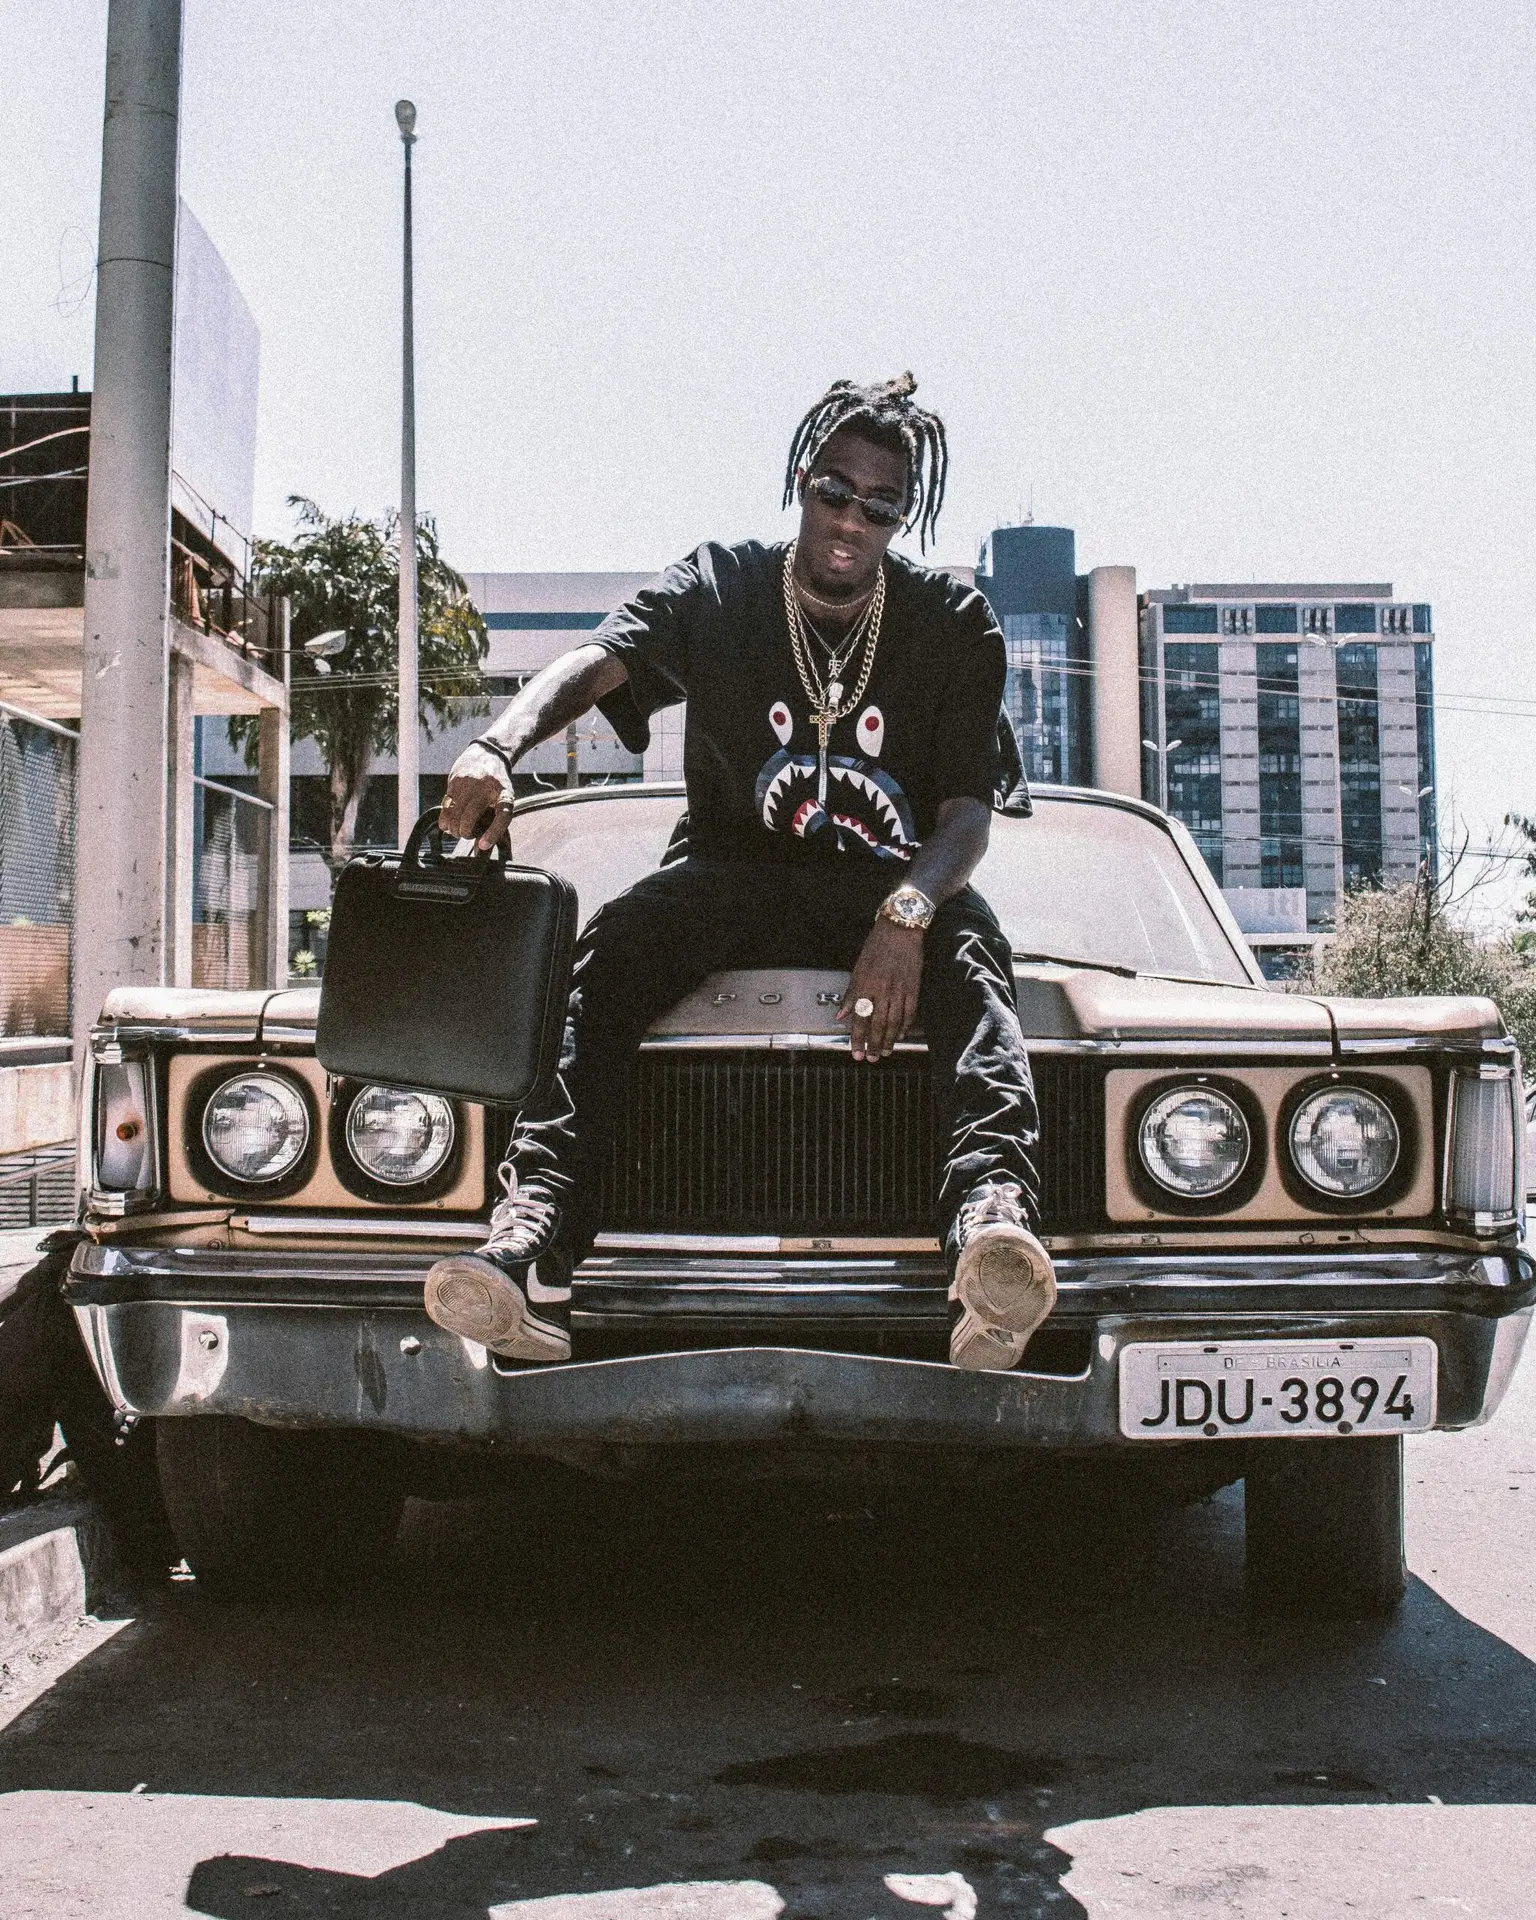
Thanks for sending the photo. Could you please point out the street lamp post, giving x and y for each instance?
(408, 788)
(1162, 754)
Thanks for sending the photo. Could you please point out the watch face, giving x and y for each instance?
(908, 907)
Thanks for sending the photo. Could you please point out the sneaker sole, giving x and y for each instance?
(1006, 1286)
(471, 1296)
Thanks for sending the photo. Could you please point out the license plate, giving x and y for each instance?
(1240, 1389)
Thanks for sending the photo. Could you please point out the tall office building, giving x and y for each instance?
(1029, 574)
(1291, 729)
(1072, 657)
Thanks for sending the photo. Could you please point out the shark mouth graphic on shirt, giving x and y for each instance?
(865, 807)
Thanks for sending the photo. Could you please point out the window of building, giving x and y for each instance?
(1275, 619)
(1359, 765)
(1354, 617)
(1421, 623)
(1192, 716)
(1189, 619)
(1037, 696)
(1279, 716)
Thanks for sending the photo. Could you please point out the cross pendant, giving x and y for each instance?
(823, 724)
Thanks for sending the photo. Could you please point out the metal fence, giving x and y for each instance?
(230, 886)
(38, 761)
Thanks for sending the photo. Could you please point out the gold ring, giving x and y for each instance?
(863, 1009)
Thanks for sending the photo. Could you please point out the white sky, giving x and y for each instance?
(1237, 291)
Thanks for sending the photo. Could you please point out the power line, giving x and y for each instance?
(10, 453)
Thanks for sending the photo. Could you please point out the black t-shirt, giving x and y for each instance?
(712, 630)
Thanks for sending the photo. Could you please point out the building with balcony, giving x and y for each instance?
(227, 849)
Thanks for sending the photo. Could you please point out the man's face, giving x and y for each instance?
(840, 552)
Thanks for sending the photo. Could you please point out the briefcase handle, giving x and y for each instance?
(449, 876)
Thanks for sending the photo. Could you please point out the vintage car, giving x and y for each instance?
(1288, 1231)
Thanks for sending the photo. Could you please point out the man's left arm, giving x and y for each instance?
(889, 969)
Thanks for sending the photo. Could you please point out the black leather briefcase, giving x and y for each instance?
(446, 972)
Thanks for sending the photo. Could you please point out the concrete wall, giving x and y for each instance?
(37, 1106)
(1239, 694)
(1322, 850)
(1397, 722)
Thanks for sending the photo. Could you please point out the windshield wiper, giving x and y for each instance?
(1134, 973)
(1060, 960)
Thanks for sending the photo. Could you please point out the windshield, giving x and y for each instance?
(1081, 881)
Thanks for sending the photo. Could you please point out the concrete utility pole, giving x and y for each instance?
(409, 785)
(122, 880)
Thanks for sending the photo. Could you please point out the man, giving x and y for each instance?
(841, 756)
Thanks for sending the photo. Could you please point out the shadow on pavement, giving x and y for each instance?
(810, 1689)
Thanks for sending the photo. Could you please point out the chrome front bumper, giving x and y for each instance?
(742, 1351)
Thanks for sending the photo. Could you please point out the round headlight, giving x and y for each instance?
(1195, 1142)
(256, 1127)
(1344, 1142)
(398, 1137)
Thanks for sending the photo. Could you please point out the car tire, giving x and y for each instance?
(1324, 1527)
(259, 1510)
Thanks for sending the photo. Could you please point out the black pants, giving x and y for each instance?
(645, 950)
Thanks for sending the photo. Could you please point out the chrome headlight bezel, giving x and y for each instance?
(1235, 1187)
(369, 1184)
(1312, 1182)
(206, 1164)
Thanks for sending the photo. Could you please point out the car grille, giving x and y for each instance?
(812, 1144)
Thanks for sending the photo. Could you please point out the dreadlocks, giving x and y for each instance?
(883, 413)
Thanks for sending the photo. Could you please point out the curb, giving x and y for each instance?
(55, 1558)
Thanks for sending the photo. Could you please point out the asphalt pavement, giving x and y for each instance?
(731, 1703)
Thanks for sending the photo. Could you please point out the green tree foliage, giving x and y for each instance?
(346, 573)
(1401, 940)
(1525, 832)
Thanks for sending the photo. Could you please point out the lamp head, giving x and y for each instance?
(405, 118)
(326, 646)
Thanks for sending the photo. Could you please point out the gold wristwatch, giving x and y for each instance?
(908, 908)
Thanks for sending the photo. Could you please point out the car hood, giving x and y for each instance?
(1055, 1003)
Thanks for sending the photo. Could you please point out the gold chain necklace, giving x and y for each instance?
(833, 606)
(828, 705)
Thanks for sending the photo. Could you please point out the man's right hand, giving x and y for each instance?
(478, 786)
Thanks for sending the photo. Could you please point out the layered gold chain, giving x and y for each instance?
(826, 697)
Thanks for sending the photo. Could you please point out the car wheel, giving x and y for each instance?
(263, 1509)
(1324, 1521)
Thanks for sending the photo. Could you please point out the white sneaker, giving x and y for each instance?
(1003, 1285)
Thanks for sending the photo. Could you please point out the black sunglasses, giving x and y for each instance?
(837, 494)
